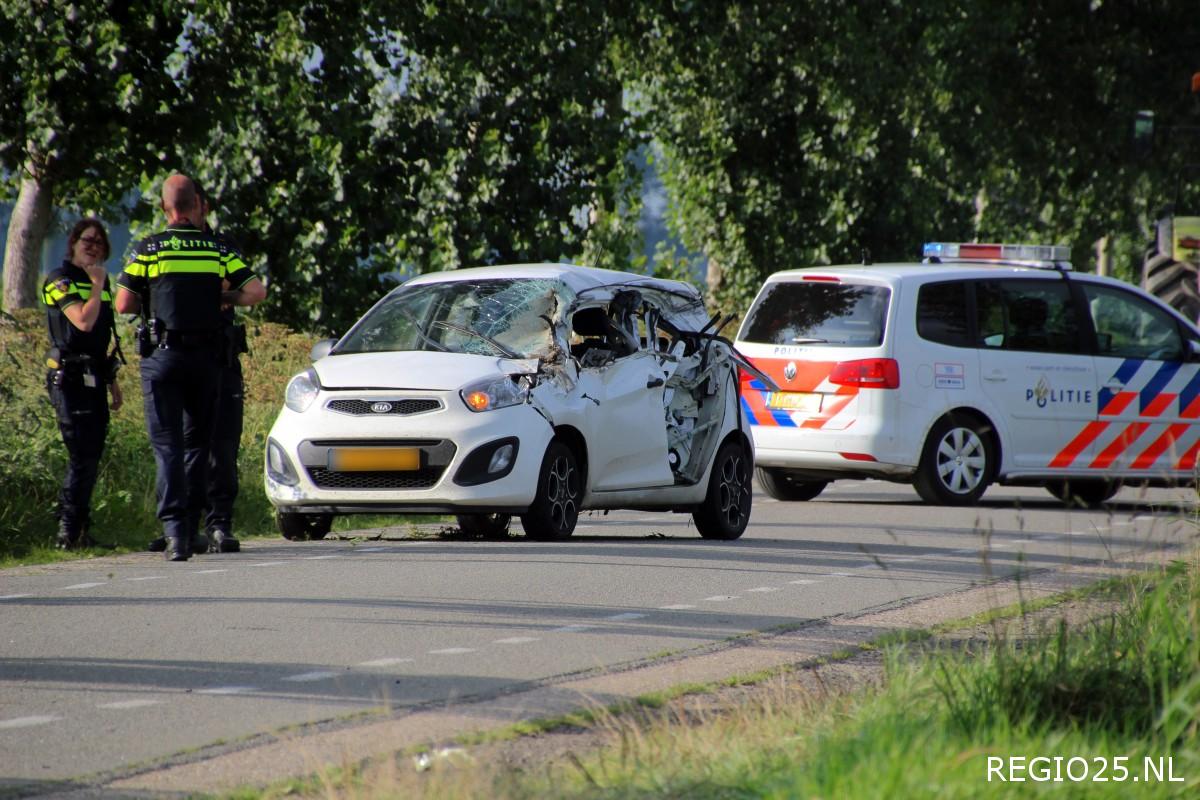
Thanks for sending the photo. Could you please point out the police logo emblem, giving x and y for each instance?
(63, 284)
(381, 407)
(174, 243)
(789, 371)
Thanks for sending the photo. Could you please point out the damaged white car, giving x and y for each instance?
(538, 390)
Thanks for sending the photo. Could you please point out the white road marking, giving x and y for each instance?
(1023, 541)
(385, 662)
(904, 560)
(965, 550)
(516, 640)
(573, 628)
(838, 574)
(319, 558)
(149, 578)
(26, 722)
(267, 564)
(85, 585)
(764, 589)
(13, 596)
(452, 651)
(209, 571)
(369, 549)
(802, 582)
(677, 607)
(228, 690)
(125, 704)
(626, 615)
(308, 677)
(720, 598)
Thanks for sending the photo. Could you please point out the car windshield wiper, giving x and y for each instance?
(809, 340)
(501, 349)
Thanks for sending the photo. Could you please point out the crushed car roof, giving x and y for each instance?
(575, 277)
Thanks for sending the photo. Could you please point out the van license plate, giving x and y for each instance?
(374, 459)
(808, 402)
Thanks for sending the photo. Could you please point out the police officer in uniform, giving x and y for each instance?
(178, 280)
(81, 373)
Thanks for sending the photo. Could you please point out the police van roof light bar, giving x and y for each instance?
(1045, 255)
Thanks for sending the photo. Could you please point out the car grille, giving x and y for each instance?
(420, 479)
(360, 407)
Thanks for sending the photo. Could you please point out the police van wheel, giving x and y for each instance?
(781, 484)
(1083, 493)
(485, 526)
(957, 464)
(302, 527)
(725, 511)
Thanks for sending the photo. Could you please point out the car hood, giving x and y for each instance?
(414, 370)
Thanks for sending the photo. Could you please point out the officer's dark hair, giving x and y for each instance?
(77, 233)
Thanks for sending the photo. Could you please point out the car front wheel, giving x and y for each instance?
(782, 485)
(555, 508)
(725, 511)
(957, 463)
(302, 527)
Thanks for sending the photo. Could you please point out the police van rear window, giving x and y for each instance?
(818, 313)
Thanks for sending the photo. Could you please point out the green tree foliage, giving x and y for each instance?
(814, 132)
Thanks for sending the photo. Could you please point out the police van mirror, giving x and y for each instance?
(1193, 350)
(321, 349)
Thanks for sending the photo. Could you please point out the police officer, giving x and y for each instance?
(79, 314)
(179, 279)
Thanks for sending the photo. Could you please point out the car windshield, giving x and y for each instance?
(509, 317)
(818, 313)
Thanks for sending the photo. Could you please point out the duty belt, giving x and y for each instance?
(185, 340)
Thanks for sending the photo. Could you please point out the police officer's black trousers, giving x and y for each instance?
(223, 459)
(82, 413)
(180, 392)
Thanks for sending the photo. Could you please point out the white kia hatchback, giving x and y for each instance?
(535, 390)
(985, 363)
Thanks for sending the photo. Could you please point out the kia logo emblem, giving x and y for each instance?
(381, 408)
(789, 371)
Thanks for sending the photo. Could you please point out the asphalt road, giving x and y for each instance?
(126, 660)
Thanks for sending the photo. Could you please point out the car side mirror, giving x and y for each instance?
(1193, 350)
(321, 349)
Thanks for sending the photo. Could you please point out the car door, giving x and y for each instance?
(1148, 391)
(1034, 368)
(626, 418)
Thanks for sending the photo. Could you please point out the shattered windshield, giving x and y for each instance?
(512, 318)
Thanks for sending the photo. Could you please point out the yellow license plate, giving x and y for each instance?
(374, 459)
(808, 402)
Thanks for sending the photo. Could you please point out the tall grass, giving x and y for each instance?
(33, 460)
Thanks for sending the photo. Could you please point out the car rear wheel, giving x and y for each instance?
(555, 508)
(725, 511)
(957, 463)
(485, 526)
(781, 484)
(1083, 493)
(302, 527)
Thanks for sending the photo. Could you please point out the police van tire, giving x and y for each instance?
(303, 527)
(725, 511)
(555, 508)
(484, 526)
(957, 463)
(782, 485)
(1083, 493)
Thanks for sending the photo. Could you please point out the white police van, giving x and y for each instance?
(985, 363)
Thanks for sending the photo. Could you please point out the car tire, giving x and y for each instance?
(1083, 493)
(303, 527)
(555, 508)
(485, 526)
(957, 462)
(725, 511)
(782, 485)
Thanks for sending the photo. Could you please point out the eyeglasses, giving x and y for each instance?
(96, 240)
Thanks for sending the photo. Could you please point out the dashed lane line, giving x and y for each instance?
(516, 640)
(677, 607)
(310, 677)
(384, 662)
(122, 705)
(26, 722)
(92, 585)
(721, 598)
(223, 690)
(625, 616)
(452, 651)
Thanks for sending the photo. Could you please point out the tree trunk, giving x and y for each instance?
(23, 250)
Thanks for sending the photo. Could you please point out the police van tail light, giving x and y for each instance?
(867, 373)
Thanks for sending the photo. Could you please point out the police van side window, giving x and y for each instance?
(1030, 315)
(1128, 326)
(942, 313)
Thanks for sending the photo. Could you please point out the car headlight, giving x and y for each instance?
(301, 391)
(494, 393)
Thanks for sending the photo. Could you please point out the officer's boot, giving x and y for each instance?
(68, 536)
(223, 541)
(177, 549)
(157, 545)
(199, 544)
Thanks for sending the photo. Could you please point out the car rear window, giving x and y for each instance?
(818, 313)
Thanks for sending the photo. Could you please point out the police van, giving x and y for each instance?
(983, 363)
